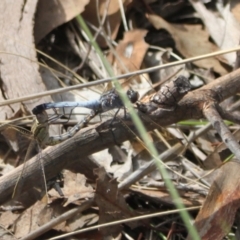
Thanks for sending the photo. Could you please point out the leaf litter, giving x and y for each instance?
(189, 171)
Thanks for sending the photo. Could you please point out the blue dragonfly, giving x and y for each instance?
(108, 101)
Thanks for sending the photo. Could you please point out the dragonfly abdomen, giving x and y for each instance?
(92, 104)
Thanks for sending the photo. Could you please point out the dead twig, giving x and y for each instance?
(213, 116)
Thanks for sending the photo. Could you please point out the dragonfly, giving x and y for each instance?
(107, 101)
(40, 128)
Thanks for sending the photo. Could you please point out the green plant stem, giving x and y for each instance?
(143, 133)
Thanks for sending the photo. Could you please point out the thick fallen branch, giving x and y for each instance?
(56, 158)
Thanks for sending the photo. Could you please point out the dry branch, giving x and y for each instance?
(94, 139)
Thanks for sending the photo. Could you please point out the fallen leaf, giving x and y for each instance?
(47, 213)
(217, 214)
(82, 220)
(28, 220)
(8, 218)
(76, 188)
(111, 11)
(51, 14)
(111, 203)
(130, 52)
(224, 28)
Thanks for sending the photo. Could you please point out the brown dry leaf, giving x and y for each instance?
(19, 68)
(191, 41)
(8, 218)
(217, 214)
(111, 203)
(113, 17)
(49, 212)
(27, 221)
(130, 51)
(223, 28)
(76, 188)
(51, 14)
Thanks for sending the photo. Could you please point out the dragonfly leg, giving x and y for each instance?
(114, 117)
(54, 118)
(71, 111)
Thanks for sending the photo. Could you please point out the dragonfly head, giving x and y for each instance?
(132, 95)
(39, 108)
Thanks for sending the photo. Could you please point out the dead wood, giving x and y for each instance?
(94, 139)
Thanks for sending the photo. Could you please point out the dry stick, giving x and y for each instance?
(213, 116)
(63, 217)
(91, 140)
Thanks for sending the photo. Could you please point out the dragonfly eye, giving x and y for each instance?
(40, 108)
(132, 95)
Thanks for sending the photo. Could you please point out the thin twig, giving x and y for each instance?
(213, 116)
(127, 75)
